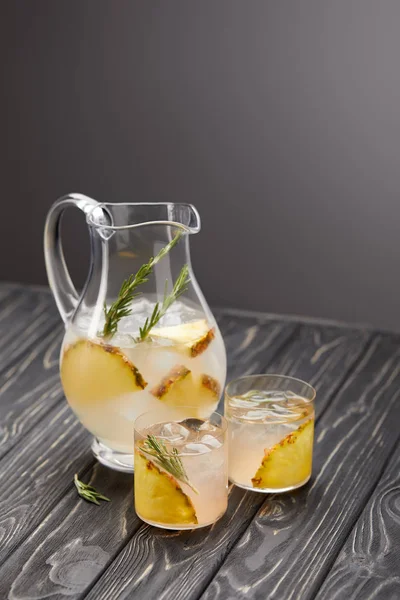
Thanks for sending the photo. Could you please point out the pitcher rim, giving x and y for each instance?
(100, 224)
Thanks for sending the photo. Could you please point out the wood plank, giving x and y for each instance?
(38, 472)
(161, 564)
(252, 343)
(30, 330)
(70, 522)
(5, 293)
(288, 548)
(25, 318)
(298, 319)
(368, 565)
(74, 543)
(29, 389)
(322, 356)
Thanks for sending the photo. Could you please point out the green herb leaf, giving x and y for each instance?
(88, 492)
(121, 307)
(180, 286)
(169, 461)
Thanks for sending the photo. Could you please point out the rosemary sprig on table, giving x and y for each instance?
(88, 492)
(180, 287)
(170, 461)
(121, 307)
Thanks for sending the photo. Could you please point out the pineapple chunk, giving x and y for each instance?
(92, 373)
(180, 388)
(175, 386)
(195, 337)
(211, 387)
(159, 497)
(289, 462)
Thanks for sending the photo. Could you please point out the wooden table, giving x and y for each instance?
(337, 538)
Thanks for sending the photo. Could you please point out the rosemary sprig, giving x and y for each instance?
(121, 307)
(170, 461)
(88, 492)
(180, 287)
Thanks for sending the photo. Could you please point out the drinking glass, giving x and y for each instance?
(181, 473)
(270, 432)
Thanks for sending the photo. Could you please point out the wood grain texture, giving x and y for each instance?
(368, 565)
(180, 565)
(30, 331)
(54, 543)
(25, 318)
(29, 389)
(252, 342)
(289, 547)
(36, 476)
(75, 542)
(323, 356)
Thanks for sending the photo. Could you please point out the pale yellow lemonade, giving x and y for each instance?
(196, 495)
(108, 383)
(270, 440)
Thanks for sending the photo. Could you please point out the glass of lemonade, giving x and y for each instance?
(181, 471)
(270, 432)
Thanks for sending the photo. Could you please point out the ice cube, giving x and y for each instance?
(270, 396)
(257, 395)
(196, 448)
(275, 397)
(207, 426)
(174, 432)
(211, 441)
(258, 398)
(281, 409)
(255, 415)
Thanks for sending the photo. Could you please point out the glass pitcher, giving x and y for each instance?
(140, 336)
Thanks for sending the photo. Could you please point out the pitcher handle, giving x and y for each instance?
(60, 282)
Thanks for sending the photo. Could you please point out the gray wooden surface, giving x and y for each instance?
(338, 537)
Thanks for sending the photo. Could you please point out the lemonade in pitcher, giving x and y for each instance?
(141, 336)
(109, 384)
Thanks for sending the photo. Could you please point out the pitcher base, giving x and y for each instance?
(119, 461)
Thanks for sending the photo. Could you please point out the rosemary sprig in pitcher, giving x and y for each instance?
(121, 307)
(169, 461)
(180, 287)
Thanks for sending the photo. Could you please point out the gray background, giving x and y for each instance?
(279, 120)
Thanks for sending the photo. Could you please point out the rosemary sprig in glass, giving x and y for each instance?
(88, 492)
(121, 307)
(180, 287)
(169, 461)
